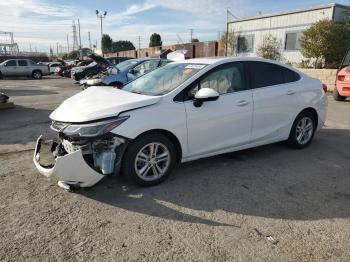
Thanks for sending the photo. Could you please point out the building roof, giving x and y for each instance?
(320, 7)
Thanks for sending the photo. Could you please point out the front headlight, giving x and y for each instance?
(92, 82)
(93, 129)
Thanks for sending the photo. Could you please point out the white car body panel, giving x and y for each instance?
(236, 121)
(98, 103)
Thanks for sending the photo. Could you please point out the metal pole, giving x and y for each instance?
(79, 34)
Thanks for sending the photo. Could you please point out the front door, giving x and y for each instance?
(224, 123)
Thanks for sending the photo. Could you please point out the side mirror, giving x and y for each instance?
(132, 71)
(205, 95)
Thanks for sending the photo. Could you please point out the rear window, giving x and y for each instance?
(22, 63)
(267, 74)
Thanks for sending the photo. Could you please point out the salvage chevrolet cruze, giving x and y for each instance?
(183, 111)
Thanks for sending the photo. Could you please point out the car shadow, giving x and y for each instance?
(20, 125)
(270, 181)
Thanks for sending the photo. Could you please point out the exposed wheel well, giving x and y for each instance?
(313, 112)
(172, 138)
(36, 70)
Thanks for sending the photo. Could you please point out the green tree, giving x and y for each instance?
(107, 43)
(72, 55)
(326, 41)
(155, 40)
(270, 48)
(228, 41)
(122, 45)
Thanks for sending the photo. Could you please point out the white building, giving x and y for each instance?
(287, 27)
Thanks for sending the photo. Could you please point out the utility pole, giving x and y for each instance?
(67, 43)
(101, 16)
(228, 13)
(139, 39)
(57, 49)
(89, 40)
(75, 38)
(79, 34)
(191, 33)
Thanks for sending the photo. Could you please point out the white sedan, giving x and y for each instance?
(180, 112)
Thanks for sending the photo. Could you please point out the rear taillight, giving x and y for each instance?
(341, 78)
(325, 88)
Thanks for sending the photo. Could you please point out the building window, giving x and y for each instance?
(293, 41)
(245, 44)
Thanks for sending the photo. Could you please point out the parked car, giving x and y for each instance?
(129, 70)
(100, 64)
(53, 66)
(181, 112)
(115, 60)
(342, 90)
(23, 67)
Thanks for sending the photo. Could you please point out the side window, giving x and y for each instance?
(22, 63)
(11, 63)
(290, 76)
(266, 74)
(146, 67)
(164, 62)
(227, 79)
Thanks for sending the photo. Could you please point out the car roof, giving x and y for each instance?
(220, 60)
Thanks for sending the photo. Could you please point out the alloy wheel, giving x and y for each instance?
(304, 130)
(152, 161)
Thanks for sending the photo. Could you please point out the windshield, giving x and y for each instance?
(163, 80)
(126, 65)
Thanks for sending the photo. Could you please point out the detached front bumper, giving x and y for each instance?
(70, 169)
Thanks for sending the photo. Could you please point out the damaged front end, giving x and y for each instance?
(82, 154)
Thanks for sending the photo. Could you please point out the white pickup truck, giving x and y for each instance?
(23, 67)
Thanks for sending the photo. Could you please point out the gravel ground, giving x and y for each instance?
(265, 204)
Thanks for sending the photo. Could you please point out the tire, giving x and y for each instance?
(141, 171)
(37, 74)
(337, 96)
(301, 134)
(1, 76)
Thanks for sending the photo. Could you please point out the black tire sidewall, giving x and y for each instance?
(128, 170)
(292, 140)
(37, 71)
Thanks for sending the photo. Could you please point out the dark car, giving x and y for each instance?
(131, 69)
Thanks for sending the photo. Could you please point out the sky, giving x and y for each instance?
(39, 24)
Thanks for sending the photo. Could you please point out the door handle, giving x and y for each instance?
(242, 103)
(291, 92)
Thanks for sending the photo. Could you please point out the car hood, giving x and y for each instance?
(99, 102)
(100, 60)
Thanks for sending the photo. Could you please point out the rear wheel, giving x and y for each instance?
(337, 96)
(149, 159)
(37, 74)
(1, 76)
(302, 131)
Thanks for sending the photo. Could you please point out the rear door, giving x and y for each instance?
(275, 95)
(23, 68)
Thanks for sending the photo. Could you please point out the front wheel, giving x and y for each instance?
(302, 131)
(149, 159)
